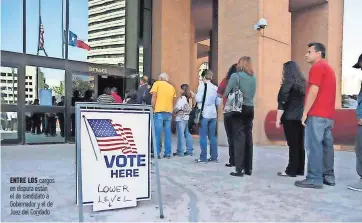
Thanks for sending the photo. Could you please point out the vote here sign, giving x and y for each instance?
(115, 156)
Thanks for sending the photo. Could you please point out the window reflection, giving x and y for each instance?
(83, 87)
(9, 85)
(140, 61)
(9, 125)
(48, 87)
(12, 25)
(43, 127)
(45, 25)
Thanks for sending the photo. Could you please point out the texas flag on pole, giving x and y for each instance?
(74, 41)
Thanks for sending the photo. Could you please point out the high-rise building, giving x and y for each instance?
(106, 31)
(9, 84)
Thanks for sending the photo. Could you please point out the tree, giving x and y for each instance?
(59, 90)
(82, 86)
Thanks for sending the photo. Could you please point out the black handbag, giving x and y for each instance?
(196, 113)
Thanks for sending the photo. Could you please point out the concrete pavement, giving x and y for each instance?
(193, 192)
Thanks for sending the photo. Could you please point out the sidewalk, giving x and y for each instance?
(193, 192)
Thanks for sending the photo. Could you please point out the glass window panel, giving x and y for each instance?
(49, 87)
(140, 61)
(351, 77)
(9, 125)
(84, 85)
(9, 85)
(12, 25)
(51, 22)
(43, 127)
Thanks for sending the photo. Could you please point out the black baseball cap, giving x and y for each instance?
(358, 64)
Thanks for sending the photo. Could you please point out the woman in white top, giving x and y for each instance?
(182, 111)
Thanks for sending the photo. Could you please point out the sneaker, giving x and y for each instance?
(213, 160)
(200, 161)
(188, 154)
(284, 174)
(167, 156)
(356, 187)
(229, 165)
(237, 174)
(177, 154)
(329, 183)
(307, 184)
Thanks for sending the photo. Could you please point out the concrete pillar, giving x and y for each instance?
(268, 50)
(321, 23)
(171, 39)
(193, 60)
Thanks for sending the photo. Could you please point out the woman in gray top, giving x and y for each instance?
(242, 123)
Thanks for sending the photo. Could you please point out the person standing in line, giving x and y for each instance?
(106, 97)
(132, 97)
(242, 123)
(116, 97)
(209, 118)
(182, 111)
(290, 111)
(358, 186)
(36, 120)
(143, 91)
(319, 111)
(61, 117)
(163, 95)
(228, 115)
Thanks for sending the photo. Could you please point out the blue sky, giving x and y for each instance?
(11, 26)
(11, 32)
(352, 46)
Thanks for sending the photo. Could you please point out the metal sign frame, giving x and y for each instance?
(145, 109)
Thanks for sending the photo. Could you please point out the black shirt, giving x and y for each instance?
(291, 100)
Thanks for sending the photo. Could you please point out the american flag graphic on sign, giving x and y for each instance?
(112, 136)
(41, 35)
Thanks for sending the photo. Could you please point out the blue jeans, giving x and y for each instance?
(208, 128)
(320, 152)
(182, 133)
(163, 122)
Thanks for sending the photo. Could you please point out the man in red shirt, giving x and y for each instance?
(116, 97)
(319, 111)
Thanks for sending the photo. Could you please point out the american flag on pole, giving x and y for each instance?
(112, 136)
(41, 35)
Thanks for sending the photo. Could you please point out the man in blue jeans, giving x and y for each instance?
(209, 114)
(319, 111)
(163, 94)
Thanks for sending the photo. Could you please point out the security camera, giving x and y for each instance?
(262, 23)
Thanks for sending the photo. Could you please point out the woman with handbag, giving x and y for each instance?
(290, 111)
(207, 100)
(240, 93)
(182, 111)
(228, 115)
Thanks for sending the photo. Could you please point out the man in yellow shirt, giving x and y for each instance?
(163, 95)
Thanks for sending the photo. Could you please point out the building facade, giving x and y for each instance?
(106, 31)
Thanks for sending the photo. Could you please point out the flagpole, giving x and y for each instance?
(37, 53)
(63, 34)
(90, 138)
